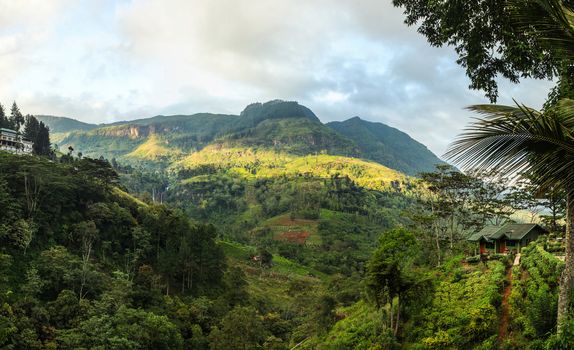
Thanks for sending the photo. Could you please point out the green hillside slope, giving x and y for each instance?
(388, 146)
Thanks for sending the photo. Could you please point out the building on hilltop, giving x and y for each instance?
(12, 141)
(502, 239)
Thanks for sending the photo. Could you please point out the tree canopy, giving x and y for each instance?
(488, 39)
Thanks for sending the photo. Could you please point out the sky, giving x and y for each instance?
(102, 61)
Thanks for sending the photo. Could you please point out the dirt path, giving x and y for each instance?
(503, 328)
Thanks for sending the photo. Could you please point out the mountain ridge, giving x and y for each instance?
(64, 124)
(381, 143)
(283, 126)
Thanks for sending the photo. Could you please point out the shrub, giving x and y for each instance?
(473, 259)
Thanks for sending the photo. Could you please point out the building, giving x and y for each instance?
(12, 141)
(503, 239)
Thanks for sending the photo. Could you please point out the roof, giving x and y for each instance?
(485, 232)
(8, 130)
(509, 231)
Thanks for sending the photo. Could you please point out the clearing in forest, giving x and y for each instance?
(297, 231)
(299, 237)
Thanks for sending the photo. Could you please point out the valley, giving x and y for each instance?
(296, 231)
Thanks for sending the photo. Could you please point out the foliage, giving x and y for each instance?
(90, 254)
(456, 205)
(462, 315)
(390, 279)
(361, 328)
(487, 39)
(534, 298)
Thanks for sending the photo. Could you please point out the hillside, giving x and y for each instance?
(252, 163)
(63, 124)
(280, 126)
(388, 146)
(88, 254)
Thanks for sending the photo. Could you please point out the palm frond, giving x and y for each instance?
(551, 21)
(514, 140)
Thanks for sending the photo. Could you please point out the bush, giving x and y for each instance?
(473, 259)
(499, 257)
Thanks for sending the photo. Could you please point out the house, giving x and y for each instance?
(12, 141)
(502, 239)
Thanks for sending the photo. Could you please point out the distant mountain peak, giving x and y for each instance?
(387, 145)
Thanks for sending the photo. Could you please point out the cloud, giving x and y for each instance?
(112, 60)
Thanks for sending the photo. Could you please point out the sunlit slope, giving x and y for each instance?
(154, 148)
(265, 163)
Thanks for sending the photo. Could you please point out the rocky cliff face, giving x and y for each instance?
(131, 131)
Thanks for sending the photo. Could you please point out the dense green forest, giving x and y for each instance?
(84, 263)
(286, 260)
(247, 243)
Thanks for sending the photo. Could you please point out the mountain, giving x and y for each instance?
(63, 124)
(279, 126)
(388, 146)
(288, 127)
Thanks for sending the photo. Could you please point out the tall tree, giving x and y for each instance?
(4, 123)
(42, 141)
(31, 128)
(87, 233)
(520, 140)
(389, 277)
(16, 117)
(555, 201)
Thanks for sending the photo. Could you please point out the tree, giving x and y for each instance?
(241, 329)
(22, 233)
(554, 199)
(487, 39)
(34, 283)
(265, 257)
(16, 117)
(125, 329)
(43, 140)
(325, 313)
(520, 140)
(548, 205)
(235, 287)
(448, 203)
(39, 134)
(388, 276)
(4, 123)
(31, 128)
(87, 233)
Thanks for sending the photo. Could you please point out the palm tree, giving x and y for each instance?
(516, 140)
(519, 140)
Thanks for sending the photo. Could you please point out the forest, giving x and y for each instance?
(97, 254)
